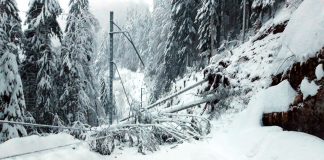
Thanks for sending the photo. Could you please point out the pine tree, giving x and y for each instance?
(138, 24)
(79, 99)
(208, 19)
(40, 66)
(158, 41)
(181, 45)
(12, 103)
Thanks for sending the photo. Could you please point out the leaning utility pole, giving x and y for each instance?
(111, 68)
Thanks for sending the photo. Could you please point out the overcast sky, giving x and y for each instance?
(100, 8)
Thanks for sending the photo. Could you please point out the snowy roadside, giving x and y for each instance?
(228, 141)
(235, 135)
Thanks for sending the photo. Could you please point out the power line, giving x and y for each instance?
(129, 38)
(51, 148)
(122, 84)
(42, 125)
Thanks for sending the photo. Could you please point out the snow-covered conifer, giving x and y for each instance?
(161, 23)
(208, 19)
(79, 100)
(181, 45)
(40, 66)
(12, 103)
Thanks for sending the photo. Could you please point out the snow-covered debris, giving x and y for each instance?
(319, 72)
(304, 34)
(308, 88)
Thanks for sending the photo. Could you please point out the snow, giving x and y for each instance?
(238, 133)
(319, 72)
(226, 143)
(232, 138)
(275, 99)
(33, 143)
(308, 88)
(304, 34)
(133, 82)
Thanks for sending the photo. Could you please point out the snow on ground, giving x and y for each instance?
(235, 135)
(226, 142)
(304, 34)
(319, 72)
(33, 143)
(308, 88)
(133, 82)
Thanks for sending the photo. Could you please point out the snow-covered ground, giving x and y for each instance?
(228, 141)
(33, 143)
(238, 133)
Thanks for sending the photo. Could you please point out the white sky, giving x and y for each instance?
(100, 8)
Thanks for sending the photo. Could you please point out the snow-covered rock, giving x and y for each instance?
(319, 72)
(274, 99)
(308, 88)
(304, 34)
(277, 98)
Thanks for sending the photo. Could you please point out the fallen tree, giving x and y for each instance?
(164, 129)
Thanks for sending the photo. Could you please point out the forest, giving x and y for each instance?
(162, 79)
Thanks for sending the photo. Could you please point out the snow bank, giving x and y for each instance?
(33, 143)
(304, 34)
(277, 98)
(319, 72)
(308, 88)
(274, 99)
(268, 143)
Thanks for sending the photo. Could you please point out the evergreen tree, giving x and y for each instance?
(161, 24)
(79, 99)
(12, 103)
(181, 45)
(208, 18)
(138, 24)
(40, 66)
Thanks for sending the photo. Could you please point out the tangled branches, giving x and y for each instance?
(166, 129)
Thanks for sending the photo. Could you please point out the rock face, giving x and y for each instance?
(304, 115)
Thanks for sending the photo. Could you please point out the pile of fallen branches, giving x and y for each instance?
(164, 129)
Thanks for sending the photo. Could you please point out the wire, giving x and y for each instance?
(129, 38)
(123, 86)
(42, 125)
(52, 148)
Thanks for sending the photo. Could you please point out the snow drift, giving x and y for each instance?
(304, 34)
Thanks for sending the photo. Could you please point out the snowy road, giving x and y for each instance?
(227, 142)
